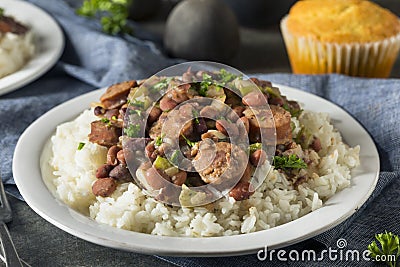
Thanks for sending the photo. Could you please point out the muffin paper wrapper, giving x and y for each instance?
(310, 56)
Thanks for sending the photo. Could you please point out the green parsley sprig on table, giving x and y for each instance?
(390, 248)
(113, 14)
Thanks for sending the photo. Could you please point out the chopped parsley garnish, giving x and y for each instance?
(293, 111)
(137, 103)
(289, 162)
(174, 157)
(105, 120)
(159, 140)
(254, 147)
(188, 142)
(81, 145)
(226, 77)
(132, 130)
(162, 85)
(204, 84)
(133, 111)
(195, 114)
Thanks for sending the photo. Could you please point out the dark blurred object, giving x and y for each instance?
(143, 9)
(259, 13)
(392, 5)
(202, 30)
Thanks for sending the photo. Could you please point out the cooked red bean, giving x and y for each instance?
(112, 113)
(155, 179)
(167, 104)
(234, 114)
(179, 178)
(103, 171)
(104, 187)
(245, 122)
(209, 112)
(276, 101)
(221, 126)
(241, 191)
(154, 114)
(239, 110)
(112, 155)
(121, 173)
(254, 99)
(122, 112)
(179, 93)
(200, 125)
(316, 144)
(227, 128)
(187, 77)
(186, 130)
(258, 157)
(121, 157)
(98, 111)
(151, 152)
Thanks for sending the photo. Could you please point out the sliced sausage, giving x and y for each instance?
(116, 95)
(104, 134)
(8, 24)
(282, 121)
(228, 162)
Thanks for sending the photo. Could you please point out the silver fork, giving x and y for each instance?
(11, 255)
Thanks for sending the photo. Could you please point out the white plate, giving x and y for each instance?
(49, 43)
(27, 174)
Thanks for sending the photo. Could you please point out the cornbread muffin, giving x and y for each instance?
(353, 37)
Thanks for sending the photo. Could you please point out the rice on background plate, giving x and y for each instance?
(274, 203)
(15, 51)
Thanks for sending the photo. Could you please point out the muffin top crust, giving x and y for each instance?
(342, 21)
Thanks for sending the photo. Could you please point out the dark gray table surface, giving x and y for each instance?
(41, 244)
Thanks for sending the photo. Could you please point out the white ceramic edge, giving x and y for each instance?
(49, 43)
(336, 210)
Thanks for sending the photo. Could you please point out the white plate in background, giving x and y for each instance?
(28, 176)
(48, 39)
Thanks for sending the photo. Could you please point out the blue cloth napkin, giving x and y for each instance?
(92, 59)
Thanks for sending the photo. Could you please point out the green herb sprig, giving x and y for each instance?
(113, 14)
(132, 130)
(289, 162)
(188, 142)
(390, 248)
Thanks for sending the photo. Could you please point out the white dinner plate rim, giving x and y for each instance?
(75, 224)
(47, 50)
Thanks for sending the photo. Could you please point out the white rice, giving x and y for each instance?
(15, 51)
(274, 203)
